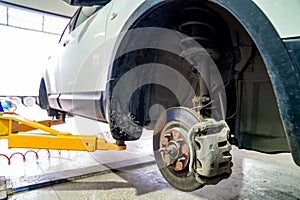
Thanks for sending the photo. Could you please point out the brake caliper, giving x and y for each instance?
(210, 158)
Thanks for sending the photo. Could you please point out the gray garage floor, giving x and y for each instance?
(132, 174)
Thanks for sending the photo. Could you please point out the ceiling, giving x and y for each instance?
(51, 6)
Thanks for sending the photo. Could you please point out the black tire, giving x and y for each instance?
(44, 103)
(182, 180)
(43, 97)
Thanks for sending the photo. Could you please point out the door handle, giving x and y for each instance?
(66, 42)
(113, 16)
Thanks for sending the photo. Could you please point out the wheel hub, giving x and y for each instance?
(174, 149)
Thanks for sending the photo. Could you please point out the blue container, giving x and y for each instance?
(5, 105)
(1, 108)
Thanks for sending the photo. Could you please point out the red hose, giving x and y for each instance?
(24, 155)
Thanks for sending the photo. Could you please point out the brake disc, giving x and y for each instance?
(191, 152)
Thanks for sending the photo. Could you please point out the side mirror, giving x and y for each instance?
(87, 2)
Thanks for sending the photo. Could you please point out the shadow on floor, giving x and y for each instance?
(146, 178)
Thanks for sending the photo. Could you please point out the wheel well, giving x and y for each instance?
(239, 61)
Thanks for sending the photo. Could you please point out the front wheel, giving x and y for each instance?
(171, 148)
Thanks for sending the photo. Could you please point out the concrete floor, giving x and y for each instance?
(133, 174)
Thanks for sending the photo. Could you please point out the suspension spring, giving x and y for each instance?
(199, 24)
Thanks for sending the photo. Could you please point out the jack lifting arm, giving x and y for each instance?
(14, 127)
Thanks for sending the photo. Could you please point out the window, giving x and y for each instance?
(54, 24)
(3, 14)
(79, 17)
(85, 13)
(24, 18)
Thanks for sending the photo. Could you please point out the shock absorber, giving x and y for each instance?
(199, 25)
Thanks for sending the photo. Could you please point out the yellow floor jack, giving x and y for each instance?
(15, 129)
